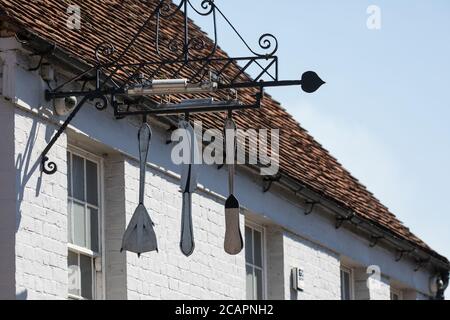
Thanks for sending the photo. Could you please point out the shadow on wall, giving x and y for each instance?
(25, 168)
(23, 295)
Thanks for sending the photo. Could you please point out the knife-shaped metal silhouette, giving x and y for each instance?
(233, 243)
(139, 236)
(189, 177)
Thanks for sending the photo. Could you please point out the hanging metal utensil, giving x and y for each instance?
(189, 176)
(233, 243)
(139, 236)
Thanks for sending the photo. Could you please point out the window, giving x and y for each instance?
(346, 283)
(83, 224)
(396, 294)
(254, 262)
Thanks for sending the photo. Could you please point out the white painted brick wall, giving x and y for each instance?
(380, 289)
(275, 263)
(361, 291)
(371, 287)
(114, 216)
(41, 237)
(41, 213)
(209, 273)
(321, 269)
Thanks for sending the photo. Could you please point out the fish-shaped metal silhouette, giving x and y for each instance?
(139, 236)
(233, 243)
(189, 176)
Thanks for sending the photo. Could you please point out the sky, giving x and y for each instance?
(384, 112)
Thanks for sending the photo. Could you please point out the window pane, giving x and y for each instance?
(91, 183)
(345, 285)
(69, 174)
(92, 242)
(248, 245)
(79, 224)
(74, 274)
(258, 284)
(86, 276)
(257, 252)
(78, 177)
(249, 283)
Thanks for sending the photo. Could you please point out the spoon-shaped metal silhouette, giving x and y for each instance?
(139, 236)
(311, 82)
(189, 176)
(233, 243)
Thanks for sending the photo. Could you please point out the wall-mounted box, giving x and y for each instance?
(298, 279)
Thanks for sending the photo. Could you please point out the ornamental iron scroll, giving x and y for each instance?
(118, 80)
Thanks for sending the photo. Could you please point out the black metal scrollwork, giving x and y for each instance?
(197, 44)
(268, 42)
(166, 8)
(105, 50)
(177, 46)
(207, 5)
(101, 102)
(48, 167)
(193, 57)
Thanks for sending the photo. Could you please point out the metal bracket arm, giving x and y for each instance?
(51, 167)
(420, 263)
(267, 181)
(311, 205)
(374, 240)
(401, 253)
(341, 220)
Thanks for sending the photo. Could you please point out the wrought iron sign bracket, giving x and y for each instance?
(311, 205)
(268, 181)
(420, 263)
(341, 220)
(374, 240)
(188, 67)
(401, 253)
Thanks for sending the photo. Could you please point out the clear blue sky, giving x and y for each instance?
(385, 111)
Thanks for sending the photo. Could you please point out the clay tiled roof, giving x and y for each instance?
(301, 157)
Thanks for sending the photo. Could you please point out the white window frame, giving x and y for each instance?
(98, 277)
(260, 228)
(350, 272)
